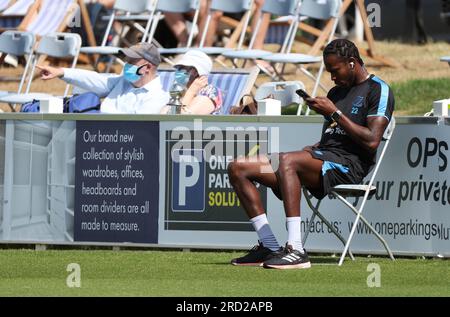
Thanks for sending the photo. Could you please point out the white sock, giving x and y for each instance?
(264, 232)
(293, 225)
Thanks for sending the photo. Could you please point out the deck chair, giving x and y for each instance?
(49, 16)
(15, 8)
(129, 8)
(4, 4)
(175, 6)
(283, 91)
(446, 59)
(234, 83)
(342, 192)
(328, 10)
(58, 45)
(274, 8)
(226, 6)
(12, 16)
(18, 44)
(14, 12)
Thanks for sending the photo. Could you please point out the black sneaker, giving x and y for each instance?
(289, 259)
(256, 256)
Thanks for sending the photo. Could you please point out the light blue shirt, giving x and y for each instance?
(121, 97)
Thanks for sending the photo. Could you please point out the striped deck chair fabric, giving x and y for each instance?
(276, 34)
(51, 17)
(278, 29)
(12, 16)
(4, 4)
(234, 84)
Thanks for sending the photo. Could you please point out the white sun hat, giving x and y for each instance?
(198, 59)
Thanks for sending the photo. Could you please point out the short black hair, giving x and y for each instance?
(343, 48)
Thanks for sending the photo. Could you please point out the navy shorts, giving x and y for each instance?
(333, 174)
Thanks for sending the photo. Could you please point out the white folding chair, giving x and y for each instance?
(278, 8)
(226, 6)
(284, 91)
(342, 192)
(175, 6)
(129, 7)
(18, 44)
(323, 10)
(58, 45)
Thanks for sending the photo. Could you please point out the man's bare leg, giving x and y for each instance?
(243, 173)
(296, 169)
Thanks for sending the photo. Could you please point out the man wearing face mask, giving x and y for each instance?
(137, 91)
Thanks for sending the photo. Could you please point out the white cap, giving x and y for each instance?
(202, 62)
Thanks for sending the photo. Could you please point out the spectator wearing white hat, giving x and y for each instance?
(200, 97)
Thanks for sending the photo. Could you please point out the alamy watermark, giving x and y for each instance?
(374, 15)
(237, 142)
(73, 280)
(374, 278)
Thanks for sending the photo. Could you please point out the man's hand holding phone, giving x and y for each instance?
(321, 105)
(303, 94)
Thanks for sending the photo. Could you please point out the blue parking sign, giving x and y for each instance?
(188, 180)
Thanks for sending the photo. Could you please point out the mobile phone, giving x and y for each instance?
(303, 94)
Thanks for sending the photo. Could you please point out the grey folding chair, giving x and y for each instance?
(342, 192)
(274, 8)
(283, 91)
(18, 44)
(58, 45)
(175, 6)
(226, 6)
(128, 7)
(323, 10)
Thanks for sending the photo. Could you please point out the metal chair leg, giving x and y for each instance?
(364, 220)
(321, 217)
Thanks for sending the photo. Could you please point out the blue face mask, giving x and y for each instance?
(182, 77)
(131, 72)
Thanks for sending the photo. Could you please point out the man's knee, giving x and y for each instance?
(286, 162)
(292, 162)
(235, 170)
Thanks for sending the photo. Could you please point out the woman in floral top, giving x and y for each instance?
(200, 97)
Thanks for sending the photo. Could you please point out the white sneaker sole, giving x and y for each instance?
(288, 267)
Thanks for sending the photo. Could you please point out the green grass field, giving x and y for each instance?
(173, 273)
(415, 97)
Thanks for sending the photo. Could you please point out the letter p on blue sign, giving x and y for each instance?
(188, 181)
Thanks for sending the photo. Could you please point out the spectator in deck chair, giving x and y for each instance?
(137, 91)
(200, 97)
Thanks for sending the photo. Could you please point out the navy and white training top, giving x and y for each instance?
(372, 97)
